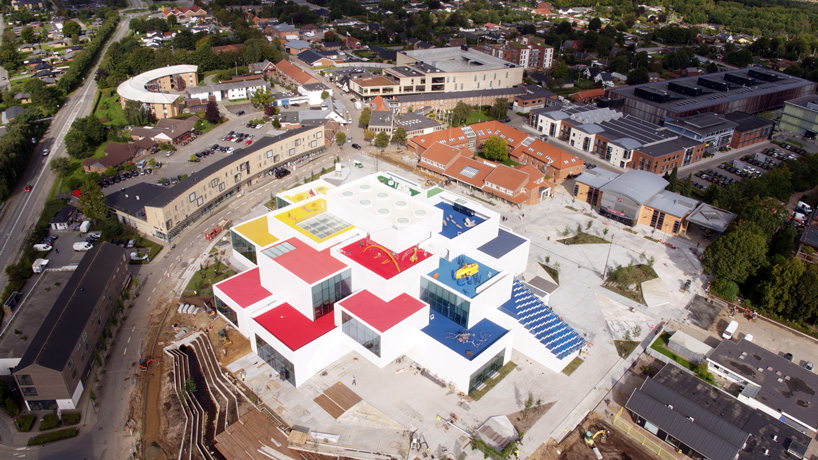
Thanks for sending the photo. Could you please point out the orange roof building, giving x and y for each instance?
(290, 72)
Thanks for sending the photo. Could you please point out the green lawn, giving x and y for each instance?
(75, 169)
(660, 344)
(490, 383)
(202, 280)
(478, 117)
(109, 108)
(627, 280)
(572, 366)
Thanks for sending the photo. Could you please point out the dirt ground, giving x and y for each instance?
(523, 422)
(615, 446)
(164, 420)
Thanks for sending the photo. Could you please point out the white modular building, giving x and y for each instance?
(387, 268)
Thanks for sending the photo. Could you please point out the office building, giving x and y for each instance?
(439, 71)
(750, 90)
(800, 116)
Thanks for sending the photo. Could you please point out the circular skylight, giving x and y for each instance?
(420, 213)
(347, 193)
(383, 211)
(403, 220)
(364, 187)
(364, 202)
(383, 195)
(400, 204)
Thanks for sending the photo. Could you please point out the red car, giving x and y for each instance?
(28, 188)
(249, 141)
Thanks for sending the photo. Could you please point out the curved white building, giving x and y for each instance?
(152, 89)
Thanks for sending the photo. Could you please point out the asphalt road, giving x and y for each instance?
(23, 209)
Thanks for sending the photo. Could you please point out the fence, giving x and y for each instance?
(649, 444)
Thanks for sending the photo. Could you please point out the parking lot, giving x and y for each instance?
(747, 166)
(172, 165)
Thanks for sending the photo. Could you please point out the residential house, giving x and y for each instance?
(63, 218)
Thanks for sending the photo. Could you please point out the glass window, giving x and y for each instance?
(24, 379)
(485, 372)
(226, 311)
(445, 302)
(243, 247)
(329, 291)
(285, 369)
(360, 333)
(29, 391)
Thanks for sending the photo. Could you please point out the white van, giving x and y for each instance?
(731, 329)
(85, 226)
(82, 246)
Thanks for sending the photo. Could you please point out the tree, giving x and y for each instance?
(804, 302)
(500, 108)
(270, 110)
(276, 123)
(561, 71)
(495, 149)
(60, 165)
(27, 34)
(595, 24)
(324, 94)
(340, 138)
(212, 113)
(382, 140)
(784, 240)
(134, 113)
(91, 202)
(673, 180)
(737, 254)
(687, 186)
(400, 135)
(369, 135)
(366, 113)
(778, 288)
(460, 113)
(638, 76)
(76, 144)
(261, 97)
(71, 29)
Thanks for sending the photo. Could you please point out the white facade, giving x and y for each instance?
(400, 282)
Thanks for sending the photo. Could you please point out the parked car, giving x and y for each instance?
(42, 247)
(45, 152)
(356, 146)
(82, 246)
(788, 356)
(240, 113)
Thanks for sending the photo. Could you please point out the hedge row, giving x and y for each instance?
(85, 60)
(53, 436)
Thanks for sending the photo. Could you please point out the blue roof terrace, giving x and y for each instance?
(463, 275)
(457, 219)
(468, 343)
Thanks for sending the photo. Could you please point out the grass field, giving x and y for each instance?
(478, 117)
(109, 108)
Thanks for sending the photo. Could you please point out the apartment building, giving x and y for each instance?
(59, 358)
(528, 52)
(622, 140)
(164, 212)
(159, 90)
(438, 71)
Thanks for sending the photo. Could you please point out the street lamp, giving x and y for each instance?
(605, 271)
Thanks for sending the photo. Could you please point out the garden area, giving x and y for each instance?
(211, 272)
(627, 280)
(490, 383)
(700, 370)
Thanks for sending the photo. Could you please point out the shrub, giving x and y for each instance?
(50, 421)
(71, 418)
(25, 422)
(726, 289)
(53, 436)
